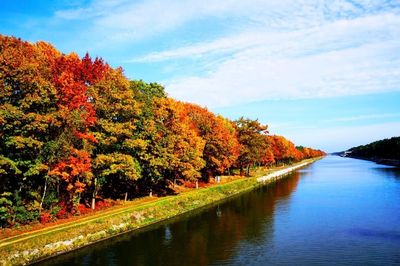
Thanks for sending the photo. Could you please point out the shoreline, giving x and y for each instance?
(279, 173)
(38, 246)
(383, 161)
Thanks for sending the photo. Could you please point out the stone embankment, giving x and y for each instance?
(280, 173)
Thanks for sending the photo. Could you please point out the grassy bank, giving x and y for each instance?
(33, 246)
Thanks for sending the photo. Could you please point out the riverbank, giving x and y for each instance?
(35, 246)
(389, 162)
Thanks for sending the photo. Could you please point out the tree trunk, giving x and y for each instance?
(94, 194)
(197, 184)
(43, 196)
(248, 170)
(126, 196)
(79, 196)
(93, 201)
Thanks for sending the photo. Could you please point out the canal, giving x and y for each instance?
(337, 211)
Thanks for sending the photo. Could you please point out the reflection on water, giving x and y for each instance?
(389, 235)
(337, 211)
(202, 238)
(391, 172)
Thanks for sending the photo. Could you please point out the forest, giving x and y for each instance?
(381, 149)
(74, 132)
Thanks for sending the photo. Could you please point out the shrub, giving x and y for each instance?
(82, 209)
(62, 213)
(45, 218)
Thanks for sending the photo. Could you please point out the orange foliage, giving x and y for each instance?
(74, 172)
(221, 144)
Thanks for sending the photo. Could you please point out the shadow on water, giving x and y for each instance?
(202, 237)
(392, 172)
(383, 234)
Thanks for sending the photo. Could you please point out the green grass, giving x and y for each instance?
(43, 243)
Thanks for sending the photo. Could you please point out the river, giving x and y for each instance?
(337, 211)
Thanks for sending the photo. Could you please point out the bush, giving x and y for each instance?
(45, 218)
(5, 209)
(103, 204)
(82, 209)
(62, 212)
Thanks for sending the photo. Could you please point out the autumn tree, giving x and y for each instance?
(251, 135)
(171, 146)
(29, 121)
(115, 153)
(73, 77)
(221, 144)
(178, 141)
(284, 150)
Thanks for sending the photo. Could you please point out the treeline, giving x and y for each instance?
(381, 149)
(74, 130)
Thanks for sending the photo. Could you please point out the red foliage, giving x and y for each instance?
(45, 218)
(62, 214)
(87, 136)
(72, 89)
(72, 77)
(93, 71)
(103, 204)
(82, 209)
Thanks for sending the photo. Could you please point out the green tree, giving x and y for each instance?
(117, 145)
(251, 135)
(29, 118)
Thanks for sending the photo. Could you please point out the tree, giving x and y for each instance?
(116, 171)
(73, 77)
(74, 172)
(179, 139)
(28, 115)
(221, 144)
(117, 145)
(251, 135)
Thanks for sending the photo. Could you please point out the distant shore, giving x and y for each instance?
(384, 161)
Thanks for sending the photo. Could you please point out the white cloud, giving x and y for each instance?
(274, 49)
(252, 76)
(95, 9)
(126, 21)
(346, 57)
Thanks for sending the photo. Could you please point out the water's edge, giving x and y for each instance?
(383, 161)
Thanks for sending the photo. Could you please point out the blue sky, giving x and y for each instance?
(325, 74)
